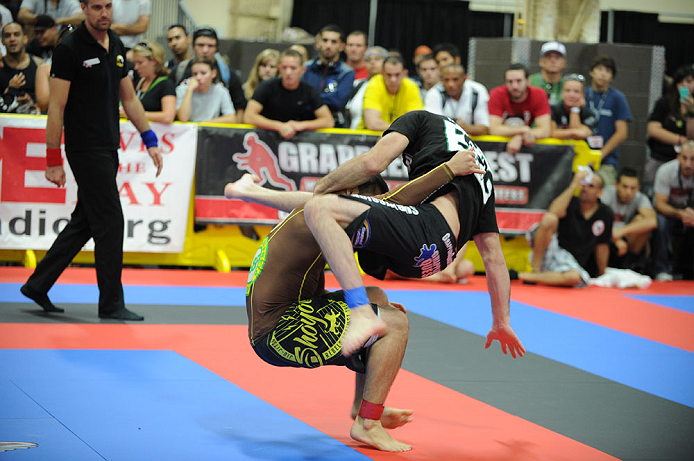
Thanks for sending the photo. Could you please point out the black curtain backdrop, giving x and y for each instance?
(400, 24)
(645, 29)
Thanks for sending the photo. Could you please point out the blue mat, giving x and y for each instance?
(143, 405)
(683, 303)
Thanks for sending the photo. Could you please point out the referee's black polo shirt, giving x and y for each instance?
(91, 114)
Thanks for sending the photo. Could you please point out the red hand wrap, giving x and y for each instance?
(369, 410)
(54, 157)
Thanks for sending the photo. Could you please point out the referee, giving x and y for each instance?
(88, 78)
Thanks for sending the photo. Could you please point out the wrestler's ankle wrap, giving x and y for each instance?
(369, 410)
(53, 156)
(356, 297)
(149, 138)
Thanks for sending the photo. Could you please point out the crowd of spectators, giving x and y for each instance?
(289, 92)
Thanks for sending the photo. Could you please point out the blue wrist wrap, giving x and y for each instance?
(356, 297)
(150, 139)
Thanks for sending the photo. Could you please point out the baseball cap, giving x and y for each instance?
(204, 32)
(43, 21)
(378, 51)
(553, 46)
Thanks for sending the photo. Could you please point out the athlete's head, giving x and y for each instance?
(374, 186)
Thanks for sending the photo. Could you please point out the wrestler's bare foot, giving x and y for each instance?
(363, 324)
(392, 418)
(236, 189)
(371, 432)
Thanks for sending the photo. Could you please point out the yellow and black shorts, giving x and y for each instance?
(309, 335)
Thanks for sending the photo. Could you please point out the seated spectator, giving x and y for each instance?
(178, 40)
(62, 11)
(18, 70)
(515, 107)
(389, 95)
(674, 202)
(429, 76)
(45, 38)
(130, 21)
(634, 219)
(571, 244)
(612, 113)
(552, 63)
(264, 68)
(446, 54)
(355, 48)
(571, 119)
(419, 53)
(201, 98)
(331, 77)
(154, 89)
(667, 124)
(301, 49)
(462, 99)
(374, 65)
(205, 44)
(287, 104)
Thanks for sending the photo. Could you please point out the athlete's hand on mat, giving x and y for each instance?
(464, 163)
(56, 175)
(156, 158)
(508, 339)
(399, 307)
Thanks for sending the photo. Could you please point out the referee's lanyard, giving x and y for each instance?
(597, 110)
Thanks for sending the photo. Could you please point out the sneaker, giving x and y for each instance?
(663, 277)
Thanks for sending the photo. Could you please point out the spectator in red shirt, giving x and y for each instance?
(518, 110)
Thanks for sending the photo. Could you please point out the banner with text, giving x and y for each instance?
(524, 183)
(33, 211)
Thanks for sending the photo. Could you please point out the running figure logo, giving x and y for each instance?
(260, 161)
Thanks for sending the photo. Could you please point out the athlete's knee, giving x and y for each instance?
(396, 320)
(377, 296)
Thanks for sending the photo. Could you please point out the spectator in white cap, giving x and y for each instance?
(552, 63)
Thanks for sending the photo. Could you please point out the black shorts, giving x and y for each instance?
(413, 242)
(309, 335)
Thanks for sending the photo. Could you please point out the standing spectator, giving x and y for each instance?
(178, 40)
(571, 119)
(301, 49)
(572, 242)
(154, 89)
(264, 68)
(18, 72)
(62, 11)
(462, 99)
(419, 53)
(634, 219)
(201, 99)
(674, 201)
(5, 15)
(667, 124)
(429, 76)
(330, 76)
(612, 112)
(515, 107)
(389, 95)
(374, 65)
(206, 45)
(84, 99)
(287, 104)
(46, 38)
(355, 49)
(131, 20)
(552, 63)
(446, 54)
(43, 74)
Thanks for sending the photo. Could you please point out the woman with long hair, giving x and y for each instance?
(201, 98)
(265, 67)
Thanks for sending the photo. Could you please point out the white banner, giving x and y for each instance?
(33, 211)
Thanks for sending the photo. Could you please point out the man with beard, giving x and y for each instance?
(179, 43)
(518, 111)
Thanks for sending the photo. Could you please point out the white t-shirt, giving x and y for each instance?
(65, 8)
(624, 212)
(462, 108)
(668, 181)
(5, 15)
(128, 12)
(206, 106)
(355, 106)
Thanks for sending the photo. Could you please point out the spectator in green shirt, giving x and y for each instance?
(552, 63)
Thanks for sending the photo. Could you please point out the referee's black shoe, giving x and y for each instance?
(41, 299)
(122, 314)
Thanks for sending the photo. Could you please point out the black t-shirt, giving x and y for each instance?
(151, 98)
(43, 52)
(29, 87)
(661, 113)
(560, 116)
(580, 236)
(91, 113)
(283, 105)
(434, 139)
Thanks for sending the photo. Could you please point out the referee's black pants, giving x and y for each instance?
(98, 214)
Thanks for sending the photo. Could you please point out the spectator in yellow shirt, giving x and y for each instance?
(389, 95)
